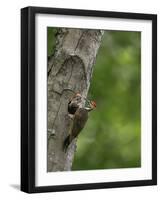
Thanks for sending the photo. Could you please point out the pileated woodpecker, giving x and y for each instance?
(79, 121)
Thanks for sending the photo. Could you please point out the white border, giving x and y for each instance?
(93, 176)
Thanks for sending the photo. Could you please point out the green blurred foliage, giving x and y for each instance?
(51, 33)
(112, 135)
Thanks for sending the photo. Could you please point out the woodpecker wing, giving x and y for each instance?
(79, 122)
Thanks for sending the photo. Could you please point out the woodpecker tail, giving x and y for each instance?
(66, 143)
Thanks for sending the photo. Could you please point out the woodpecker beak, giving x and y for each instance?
(92, 104)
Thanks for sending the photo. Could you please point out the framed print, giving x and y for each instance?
(88, 99)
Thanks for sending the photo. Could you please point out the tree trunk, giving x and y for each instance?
(69, 69)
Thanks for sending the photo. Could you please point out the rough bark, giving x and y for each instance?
(69, 69)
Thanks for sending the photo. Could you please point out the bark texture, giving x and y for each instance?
(69, 69)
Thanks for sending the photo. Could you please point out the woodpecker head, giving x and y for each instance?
(92, 104)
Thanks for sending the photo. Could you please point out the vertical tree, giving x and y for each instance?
(69, 69)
